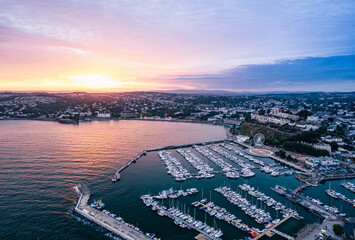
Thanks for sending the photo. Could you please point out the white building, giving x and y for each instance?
(312, 119)
(323, 147)
(241, 138)
(104, 115)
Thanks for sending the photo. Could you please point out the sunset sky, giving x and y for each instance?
(124, 45)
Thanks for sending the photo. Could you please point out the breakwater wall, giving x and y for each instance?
(111, 224)
(143, 153)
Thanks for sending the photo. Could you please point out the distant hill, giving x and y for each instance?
(223, 92)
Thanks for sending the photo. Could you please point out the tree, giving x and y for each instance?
(334, 146)
(261, 112)
(339, 130)
(304, 149)
(281, 153)
(275, 142)
(338, 229)
(304, 114)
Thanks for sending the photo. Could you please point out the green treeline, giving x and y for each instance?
(304, 148)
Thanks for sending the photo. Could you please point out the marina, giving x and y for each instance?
(194, 163)
(217, 162)
(221, 154)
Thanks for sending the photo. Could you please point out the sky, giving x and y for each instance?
(123, 45)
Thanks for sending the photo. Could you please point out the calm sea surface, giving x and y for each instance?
(41, 162)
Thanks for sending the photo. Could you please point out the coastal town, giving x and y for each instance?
(316, 124)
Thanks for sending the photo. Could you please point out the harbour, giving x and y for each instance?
(148, 174)
(213, 151)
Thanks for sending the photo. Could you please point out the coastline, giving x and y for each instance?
(115, 119)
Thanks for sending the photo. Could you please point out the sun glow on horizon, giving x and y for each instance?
(97, 81)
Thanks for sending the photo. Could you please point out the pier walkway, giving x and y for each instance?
(283, 234)
(337, 177)
(269, 232)
(102, 219)
(300, 188)
(295, 166)
(304, 202)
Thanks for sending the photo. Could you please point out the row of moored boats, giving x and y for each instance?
(181, 219)
(247, 156)
(203, 169)
(348, 185)
(171, 193)
(174, 166)
(222, 214)
(332, 193)
(270, 202)
(245, 172)
(260, 215)
(227, 168)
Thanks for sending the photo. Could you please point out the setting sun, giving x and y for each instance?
(95, 81)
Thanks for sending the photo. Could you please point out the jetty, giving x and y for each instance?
(336, 177)
(301, 187)
(111, 224)
(186, 145)
(270, 231)
(311, 206)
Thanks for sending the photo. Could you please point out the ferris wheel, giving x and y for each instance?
(259, 139)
